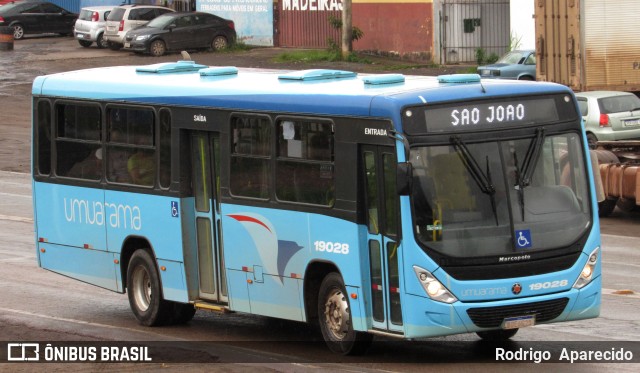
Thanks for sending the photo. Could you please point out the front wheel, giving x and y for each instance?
(85, 43)
(334, 315)
(157, 48)
(18, 31)
(143, 290)
(497, 335)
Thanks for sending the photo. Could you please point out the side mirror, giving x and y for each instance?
(171, 27)
(404, 178)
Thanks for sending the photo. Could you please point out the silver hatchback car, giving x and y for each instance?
(609, 115)
(90, 26)
(126, 17)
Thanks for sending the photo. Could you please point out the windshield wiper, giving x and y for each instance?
(524, 172)
(484, 181)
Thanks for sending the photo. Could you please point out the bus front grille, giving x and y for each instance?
(492, 317)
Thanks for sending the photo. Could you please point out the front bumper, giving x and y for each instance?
(136, 46)
(428, 318)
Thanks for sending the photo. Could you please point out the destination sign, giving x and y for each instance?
(487, 115)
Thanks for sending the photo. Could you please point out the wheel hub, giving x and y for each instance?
(337, 314)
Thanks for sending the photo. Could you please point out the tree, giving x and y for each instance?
(347, 33)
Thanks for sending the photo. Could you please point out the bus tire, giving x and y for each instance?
(143, 290)
(334, 316)
(182, 313)
(497, 335)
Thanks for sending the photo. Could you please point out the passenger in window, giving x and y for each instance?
(117, 159)
(142, 168)
(89, 168)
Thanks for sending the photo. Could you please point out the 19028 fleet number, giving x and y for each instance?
(332, 247)
(548, 285)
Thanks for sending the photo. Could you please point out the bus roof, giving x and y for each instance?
(326, 92)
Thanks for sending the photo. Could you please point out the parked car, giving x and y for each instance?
(609, 115)
(126, 17)
(182, 31)
(36, 17)
(90, 26)
(516, 65)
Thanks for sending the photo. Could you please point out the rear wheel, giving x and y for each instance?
(497, 335)
(143, 290)
(606, 207)
(114, 46)
(592, 140)
(157, 48)
(219, 43)
(85, 43)
(18, 31)
(334, 315)
(101, 42)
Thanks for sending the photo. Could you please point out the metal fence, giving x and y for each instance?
(470, 25)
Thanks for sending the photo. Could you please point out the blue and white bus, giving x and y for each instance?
(371, 204)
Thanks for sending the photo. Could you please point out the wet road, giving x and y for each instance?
(37, 305)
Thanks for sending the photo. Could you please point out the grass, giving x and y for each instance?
(318, 55)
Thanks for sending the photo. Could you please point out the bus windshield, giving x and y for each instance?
(492, 198)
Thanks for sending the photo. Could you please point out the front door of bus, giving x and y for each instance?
(381, 203)
(205, 175)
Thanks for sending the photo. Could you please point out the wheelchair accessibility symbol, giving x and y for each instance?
(523, 239)
(174, 209)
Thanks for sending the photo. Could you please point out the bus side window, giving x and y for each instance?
(131, 146)
(251, 152)
(79, 151)
(305, 169)
(44, 138)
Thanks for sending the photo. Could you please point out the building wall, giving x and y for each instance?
(403, 27)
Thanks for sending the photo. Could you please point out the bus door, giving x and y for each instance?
(206, 185)
(381, 203)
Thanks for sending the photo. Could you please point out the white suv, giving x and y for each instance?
(126, 17)
(90, 26)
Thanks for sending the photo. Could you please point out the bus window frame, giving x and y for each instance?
(277, 158)
(153, 147)
(56, 138)
(268, 157)
(37, 153)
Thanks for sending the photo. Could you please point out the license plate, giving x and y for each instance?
(519, 322)
(632, 123)
(80, 36)
(127, 45)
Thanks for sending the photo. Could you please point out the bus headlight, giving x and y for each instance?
(434, 289)
(587, 272)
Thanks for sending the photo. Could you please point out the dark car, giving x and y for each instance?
(36, 17)
(181, 31)
(518, 65)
